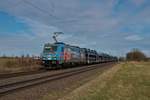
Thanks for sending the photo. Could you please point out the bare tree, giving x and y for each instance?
(135, 55)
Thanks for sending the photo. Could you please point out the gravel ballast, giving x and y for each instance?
(56, 89)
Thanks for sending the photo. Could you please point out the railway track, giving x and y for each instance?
(10, 75)
(19, 84)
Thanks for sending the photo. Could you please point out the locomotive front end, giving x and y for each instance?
(52, 55)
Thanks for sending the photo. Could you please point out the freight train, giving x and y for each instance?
(61, 54)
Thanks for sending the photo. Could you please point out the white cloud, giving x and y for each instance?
(89, 23)
(40, 29)
(138, 2)
(134, 38)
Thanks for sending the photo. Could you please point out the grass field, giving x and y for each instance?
(125, 81)
(13, 65)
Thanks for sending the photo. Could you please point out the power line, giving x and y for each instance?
(42, 10)
(58, 20)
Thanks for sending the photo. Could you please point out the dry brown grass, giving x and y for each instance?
(128, 81)
(11, 65)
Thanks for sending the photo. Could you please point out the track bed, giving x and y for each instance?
(15, 84)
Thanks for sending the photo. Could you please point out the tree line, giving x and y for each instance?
(136, 55)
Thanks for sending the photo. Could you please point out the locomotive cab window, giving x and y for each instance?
(50, 48)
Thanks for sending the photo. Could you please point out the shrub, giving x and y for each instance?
(135, 55)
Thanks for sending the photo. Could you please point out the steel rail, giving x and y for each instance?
(31, 82)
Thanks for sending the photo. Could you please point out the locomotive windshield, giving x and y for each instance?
(48, 49)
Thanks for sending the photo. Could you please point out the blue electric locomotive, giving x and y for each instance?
(53, 54)
(59, 54)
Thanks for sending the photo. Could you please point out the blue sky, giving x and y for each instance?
(111, 26)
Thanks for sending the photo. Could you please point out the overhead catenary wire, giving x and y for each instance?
(40, 9)
(57, 19)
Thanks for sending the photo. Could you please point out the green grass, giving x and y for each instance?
(127, 81)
